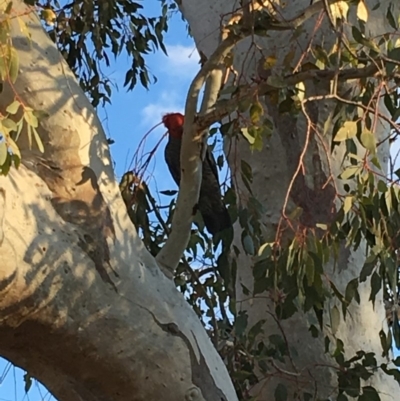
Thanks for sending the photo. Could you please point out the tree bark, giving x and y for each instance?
(84, 307)
(273, 169)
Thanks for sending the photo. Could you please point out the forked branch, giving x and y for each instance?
(194, 141)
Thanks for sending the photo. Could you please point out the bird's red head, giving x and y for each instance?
(174, 123)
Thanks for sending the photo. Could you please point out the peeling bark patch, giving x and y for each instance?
(2, 212)
(100, 256)
(201, 375)
(315, 200)
(6, 250)
(317, 203)
(7, 281)
(76, 196)
(86, 208)
(173, 328)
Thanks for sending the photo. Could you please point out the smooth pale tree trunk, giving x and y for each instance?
(84, 307)
(273, 169)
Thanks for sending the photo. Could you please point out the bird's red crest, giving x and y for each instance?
(174, 123)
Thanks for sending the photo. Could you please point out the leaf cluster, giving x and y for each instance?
(90, 33)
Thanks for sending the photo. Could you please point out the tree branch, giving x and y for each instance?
(224, 107)
(194, 139)
(194, 144)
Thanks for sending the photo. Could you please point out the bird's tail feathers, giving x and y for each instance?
(217, 222)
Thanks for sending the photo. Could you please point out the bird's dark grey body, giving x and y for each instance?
(215, 215)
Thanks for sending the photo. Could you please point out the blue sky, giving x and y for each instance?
(127, 120)
(132, 114)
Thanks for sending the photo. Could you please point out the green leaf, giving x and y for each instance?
(13, 65)
(350, 172)
(339, 296)
(19, 129)
(169, 192)
(241, 323)
(245, 290)
(281, 392)
(376, 283)
(351, 290)
(260, 286)
(28, 382)
(347, 204)
(389, 104)
(367, 269)
(259, 271)
(357, 35)
(258, 142)
(265, 250)
(301, 90)
(40, 114)
(4, 62)
(248, 245)
(322, 226)
(224, 267)
(4, 30)
(14, 148)
(382, 187)
(360, 38)
(246, 171)
(390, 18)
(30, 118)
(396, 330)
(362, 11)
(39, 142)
(295, 213)
(48, 15)
(276, 81)
(369, 360)
(287, 60)
(310, 271)
(13, 107)
(3, 152)
(386, 342)
(368, 141)
(144, 79)
(395, 55)
(9, 124)
(335, 319)
(256, 330)
(347, 131)
(269, 62)
(9, 7)
(245, 132)
(327, 343)
(244, 104)
(339, 10)
(369, 394)
(256, 111)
